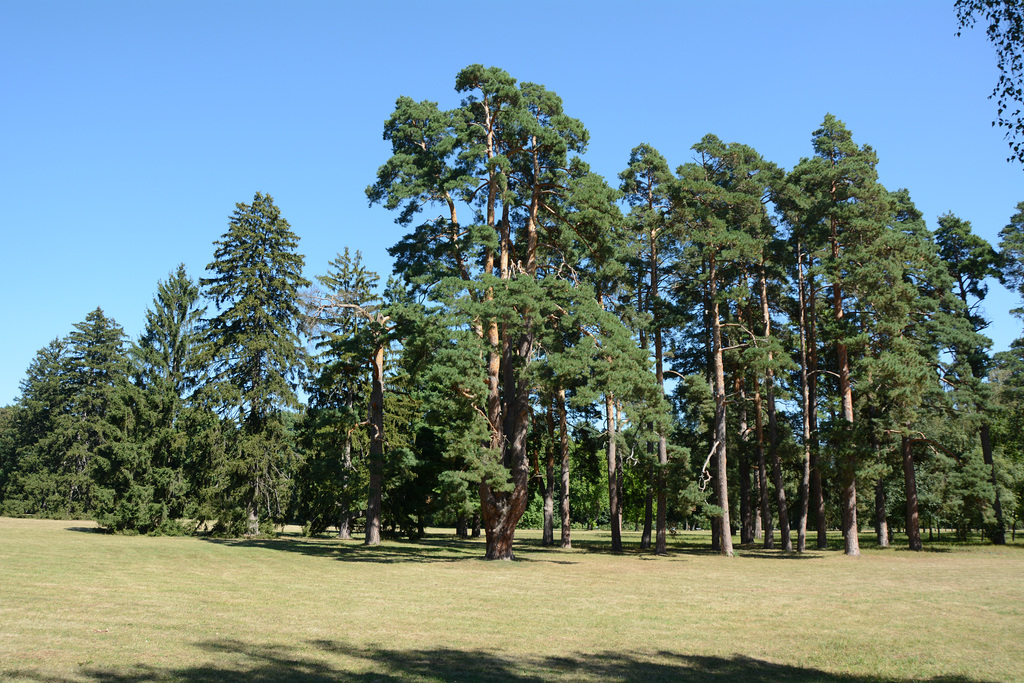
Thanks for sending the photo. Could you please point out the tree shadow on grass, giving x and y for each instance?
(321, 661)
(353, 551)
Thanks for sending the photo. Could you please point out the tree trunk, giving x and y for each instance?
(762, 474)
(549, 482)
(805, 396)
(881, 518)
(252, 521)
(780, 490)
(746, 518)
(773, 430)
(345, 514)
(614, 518)
(910, 482)
(756, 505)
(848, 469)
(998, 532)
(645, 537)
(563, 441)
(721, 482)
(460, 526)
(476, 527)
(373, 503)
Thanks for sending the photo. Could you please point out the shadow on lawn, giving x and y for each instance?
(423, 550)
(328, 660)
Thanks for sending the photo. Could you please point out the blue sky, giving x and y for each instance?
(131, 129)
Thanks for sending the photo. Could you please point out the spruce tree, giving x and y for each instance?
(255, 353)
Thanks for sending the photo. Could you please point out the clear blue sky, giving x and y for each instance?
(130, 129)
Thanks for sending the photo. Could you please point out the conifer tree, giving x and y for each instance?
(506, 155)
(719, 199)
(255, 353)
(844, 210)
(168, 370)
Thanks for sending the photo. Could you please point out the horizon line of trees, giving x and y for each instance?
(770, 353)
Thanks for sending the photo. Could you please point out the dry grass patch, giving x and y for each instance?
(83, 606)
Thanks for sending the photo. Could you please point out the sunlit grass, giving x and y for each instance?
(84, 606)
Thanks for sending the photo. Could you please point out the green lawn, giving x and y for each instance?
(83, 606)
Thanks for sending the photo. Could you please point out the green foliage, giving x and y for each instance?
(255, 355)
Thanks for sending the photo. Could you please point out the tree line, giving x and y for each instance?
(769, 353)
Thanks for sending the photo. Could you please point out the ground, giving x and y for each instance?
(84, 606)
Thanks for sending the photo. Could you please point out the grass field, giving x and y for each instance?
(82, 606)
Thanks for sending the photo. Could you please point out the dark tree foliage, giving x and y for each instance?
(255, 355)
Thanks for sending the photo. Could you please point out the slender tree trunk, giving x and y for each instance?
(756, 505)
(460, 526)
(345, 516)
(848, 468)
(780, 491)
(762, 473)
(645, 537)
(817, 490)
(549, 481)
(881, 518)
(373, 503)
(773, 430)
(563, 440)
(805, 396)
(613, 484)
(910, 482)
(746, 518)
(721, 482)
(998, 533)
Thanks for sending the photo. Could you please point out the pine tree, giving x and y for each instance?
(843, 211)
(721, 201)
(255, 351)
(506, 155)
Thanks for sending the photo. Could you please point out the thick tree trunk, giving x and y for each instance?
(252, 520)
(998, 532)
(613, 484)
(476, 527)
(563, 441)
(460, 526)
(373, 504)
(910, 482)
